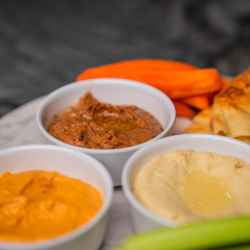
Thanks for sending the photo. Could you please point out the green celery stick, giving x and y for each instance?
(245, 247)
(202, 235)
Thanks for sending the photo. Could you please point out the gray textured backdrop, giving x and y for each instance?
(45, 44)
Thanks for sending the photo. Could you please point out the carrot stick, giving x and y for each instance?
(175, 84)
(183, 110)
(200, 101)
(149, 64)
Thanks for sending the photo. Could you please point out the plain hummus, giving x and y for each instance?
(185, 186)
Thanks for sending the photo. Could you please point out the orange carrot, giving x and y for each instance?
(176, 84)
(200, 101)
(183, 110)
(149, 64)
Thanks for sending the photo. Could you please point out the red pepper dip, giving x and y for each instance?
(96, 125)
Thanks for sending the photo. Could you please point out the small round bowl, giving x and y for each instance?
(142, 218)
(116, 92)
(71, 164)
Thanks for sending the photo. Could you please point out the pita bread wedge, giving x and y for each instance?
(201, 123)
(231, 109)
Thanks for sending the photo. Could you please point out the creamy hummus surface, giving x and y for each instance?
(37, 205)
(92, 124)
(185, 186)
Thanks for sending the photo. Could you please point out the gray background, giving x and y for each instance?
(45, 44)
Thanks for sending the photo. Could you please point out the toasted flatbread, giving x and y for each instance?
(230, 114)
(201, 123)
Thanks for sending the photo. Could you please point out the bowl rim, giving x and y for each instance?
(128, 83)
(72, 235)
(129, 164)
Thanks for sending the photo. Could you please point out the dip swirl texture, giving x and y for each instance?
(185, 186)
(96, 125)
(37, 205)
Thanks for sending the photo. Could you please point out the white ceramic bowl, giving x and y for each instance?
(142, 218)
(116, 92)
(72, 164)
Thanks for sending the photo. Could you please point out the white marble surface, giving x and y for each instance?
(19, 128)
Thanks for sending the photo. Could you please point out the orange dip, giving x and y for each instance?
(91, 124)
(36, 205)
